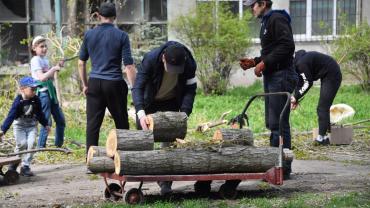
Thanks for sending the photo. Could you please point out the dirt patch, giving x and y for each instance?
(62, 185)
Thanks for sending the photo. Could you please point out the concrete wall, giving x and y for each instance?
(176, 8)
(365, 12)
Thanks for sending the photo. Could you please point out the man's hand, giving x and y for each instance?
(84, 90)
(247, 63)
(259, 69)
(293, 103)
(144, 123)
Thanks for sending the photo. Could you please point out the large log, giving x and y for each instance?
(102, 164)
(237, 159)
(233, 136)
(128, 140)
(95, 151)
(167, 126)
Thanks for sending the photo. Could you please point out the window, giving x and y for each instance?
(312, 19)
(298, 13)
(18, 22)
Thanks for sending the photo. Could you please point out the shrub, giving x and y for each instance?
(218, 38)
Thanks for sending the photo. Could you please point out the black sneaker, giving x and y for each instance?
(324, 142)
(26, 171)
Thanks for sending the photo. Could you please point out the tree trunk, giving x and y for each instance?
(129, 140)
(95, 151)
(237, 159)
(101, 164)
(167, 126)
(230, 137)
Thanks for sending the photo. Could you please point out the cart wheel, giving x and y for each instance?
(109, 192)
(227, 192)
(134, 196)
(11, 177)
(202, 188)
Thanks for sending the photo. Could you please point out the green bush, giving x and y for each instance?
(218, 38)
(352, 50)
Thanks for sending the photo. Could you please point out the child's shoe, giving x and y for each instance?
(26, 171)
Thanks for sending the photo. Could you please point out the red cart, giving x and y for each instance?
(135, 195)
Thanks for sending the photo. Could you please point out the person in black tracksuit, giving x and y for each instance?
(165, 82)
(276, 65)
(312, 66)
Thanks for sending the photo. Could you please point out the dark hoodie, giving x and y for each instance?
(312, 66)
(276, 41)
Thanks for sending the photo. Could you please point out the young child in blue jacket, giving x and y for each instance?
(25, 113)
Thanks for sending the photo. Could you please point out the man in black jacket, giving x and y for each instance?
(165, 81)
(276, 65)
(312, 66)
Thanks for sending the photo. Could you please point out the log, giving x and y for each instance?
(102, 164)
(95, 151)
(237, 159)
(233, 136)
(128, 140)
(168, 126)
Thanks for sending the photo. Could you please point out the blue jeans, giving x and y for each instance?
(279, 81)
(49, 108)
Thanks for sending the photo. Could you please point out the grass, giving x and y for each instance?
(211, 107)
(299, 200)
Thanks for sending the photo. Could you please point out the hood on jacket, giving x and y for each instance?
(283, 12)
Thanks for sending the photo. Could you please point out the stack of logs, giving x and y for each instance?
(130, 152)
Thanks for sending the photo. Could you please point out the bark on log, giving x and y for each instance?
(237, 159)
(95, 151)
(101, 164)
(167, 126)
(233, 136)
(129, 140)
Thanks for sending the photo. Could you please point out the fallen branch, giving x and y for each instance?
(206, 126)
(67, 151)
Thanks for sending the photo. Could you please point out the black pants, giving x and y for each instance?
(329, 88)
(279, 81)
(104, 94)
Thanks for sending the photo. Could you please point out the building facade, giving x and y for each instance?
(312, 21)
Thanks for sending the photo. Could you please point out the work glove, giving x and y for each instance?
(247, 63)
(259, 69)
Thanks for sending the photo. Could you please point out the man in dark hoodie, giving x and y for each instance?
(312, 66)
(165, 82)
(276, 65)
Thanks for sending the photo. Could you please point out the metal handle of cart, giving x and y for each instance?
(240, 117)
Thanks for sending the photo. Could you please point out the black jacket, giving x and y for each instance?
(149, 78)
(276, 41)
(312, 66)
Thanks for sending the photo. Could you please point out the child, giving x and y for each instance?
(25, 112)
(44, 74)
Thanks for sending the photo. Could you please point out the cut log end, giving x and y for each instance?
(90, 154)
(217, 137)
(117, 163)
(111, 144)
